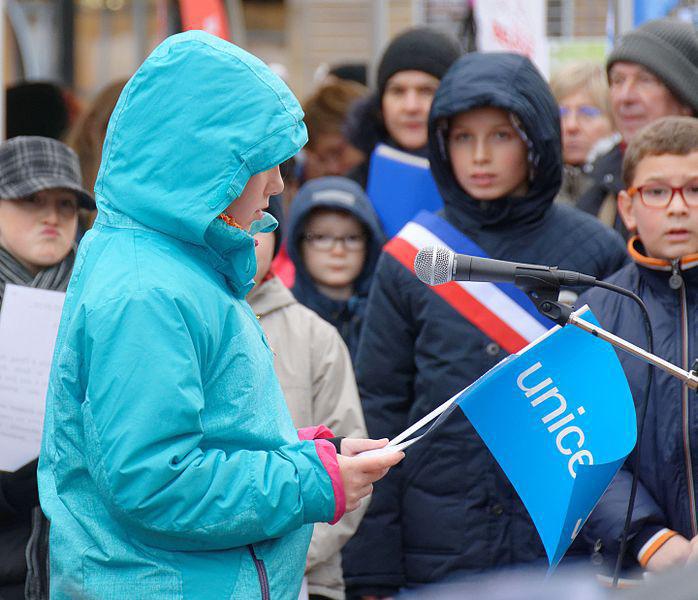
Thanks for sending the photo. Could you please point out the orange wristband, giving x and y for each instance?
(653, 544)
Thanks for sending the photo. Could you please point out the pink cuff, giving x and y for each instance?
(328, 456)
(315, 433)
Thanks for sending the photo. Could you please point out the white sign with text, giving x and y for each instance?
(514, 26)
(29, 321)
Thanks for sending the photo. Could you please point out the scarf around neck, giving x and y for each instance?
(55, 277)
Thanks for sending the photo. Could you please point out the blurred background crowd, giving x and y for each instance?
(366, 72)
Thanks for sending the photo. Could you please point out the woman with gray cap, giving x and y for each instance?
(40, 193)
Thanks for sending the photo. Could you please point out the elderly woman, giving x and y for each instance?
(170, 467)
(581, 90)
(40, 192)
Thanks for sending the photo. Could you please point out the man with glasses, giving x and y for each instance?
(660, 207)
(652, 73)
(334, 241)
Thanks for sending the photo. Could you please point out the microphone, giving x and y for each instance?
(436, 265)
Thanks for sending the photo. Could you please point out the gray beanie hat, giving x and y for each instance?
(669, 49)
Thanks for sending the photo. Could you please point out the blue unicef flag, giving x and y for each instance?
(399, 186)
(560, 420)
(646, 10)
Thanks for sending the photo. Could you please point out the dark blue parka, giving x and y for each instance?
(667, 491)
(448, 510)
(345, 195)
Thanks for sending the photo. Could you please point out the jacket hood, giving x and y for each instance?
(510, 82)
(193, 124)
(338, 193)
(270, 296)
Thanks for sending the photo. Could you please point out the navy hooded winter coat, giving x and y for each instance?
(345, 195)
(666, 495)
(448, 510)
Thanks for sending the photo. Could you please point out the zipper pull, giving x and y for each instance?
(675, 281)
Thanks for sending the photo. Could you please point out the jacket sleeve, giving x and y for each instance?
(373, 559)
(608, 518)
(142, 418)
(336, 404)
(612, 255)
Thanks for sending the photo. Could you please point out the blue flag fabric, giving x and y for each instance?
(559, 418)
(399, 186)
(646, 10)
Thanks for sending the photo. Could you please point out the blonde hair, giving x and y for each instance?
(669, 135)
(582, 76)
(86, 137)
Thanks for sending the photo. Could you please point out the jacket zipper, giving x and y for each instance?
(261, 573)
(677, 283)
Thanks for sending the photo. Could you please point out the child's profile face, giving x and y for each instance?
(39, 230)
(487, 155)
(333, 249)
(671, 231)
(254, 199)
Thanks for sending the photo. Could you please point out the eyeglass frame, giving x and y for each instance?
(312, 239)
(639, 190)
(581, 111)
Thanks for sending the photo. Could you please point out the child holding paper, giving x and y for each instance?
(40, 193)
(494, 141)
(170, 467)
(660, 206)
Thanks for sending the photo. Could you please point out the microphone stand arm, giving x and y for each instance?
(544, 292)
(689, 378)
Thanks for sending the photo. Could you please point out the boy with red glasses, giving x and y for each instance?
(660, 206)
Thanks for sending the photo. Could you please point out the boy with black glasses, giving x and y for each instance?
(334, 243)
(660, 207)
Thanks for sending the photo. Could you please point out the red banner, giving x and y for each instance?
(208, 15)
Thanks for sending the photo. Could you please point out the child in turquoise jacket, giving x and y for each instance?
(170, 467)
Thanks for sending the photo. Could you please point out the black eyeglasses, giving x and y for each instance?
(325, 243)
(659, 195)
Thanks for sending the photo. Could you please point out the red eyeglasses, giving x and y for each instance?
(659, 195)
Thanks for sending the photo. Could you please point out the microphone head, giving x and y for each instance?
(434, 265)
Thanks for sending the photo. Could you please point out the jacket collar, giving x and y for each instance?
(231, 251)
(270, 296)
(677, 271)
(637, 253)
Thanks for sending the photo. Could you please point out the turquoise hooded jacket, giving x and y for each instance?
(170, 467)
